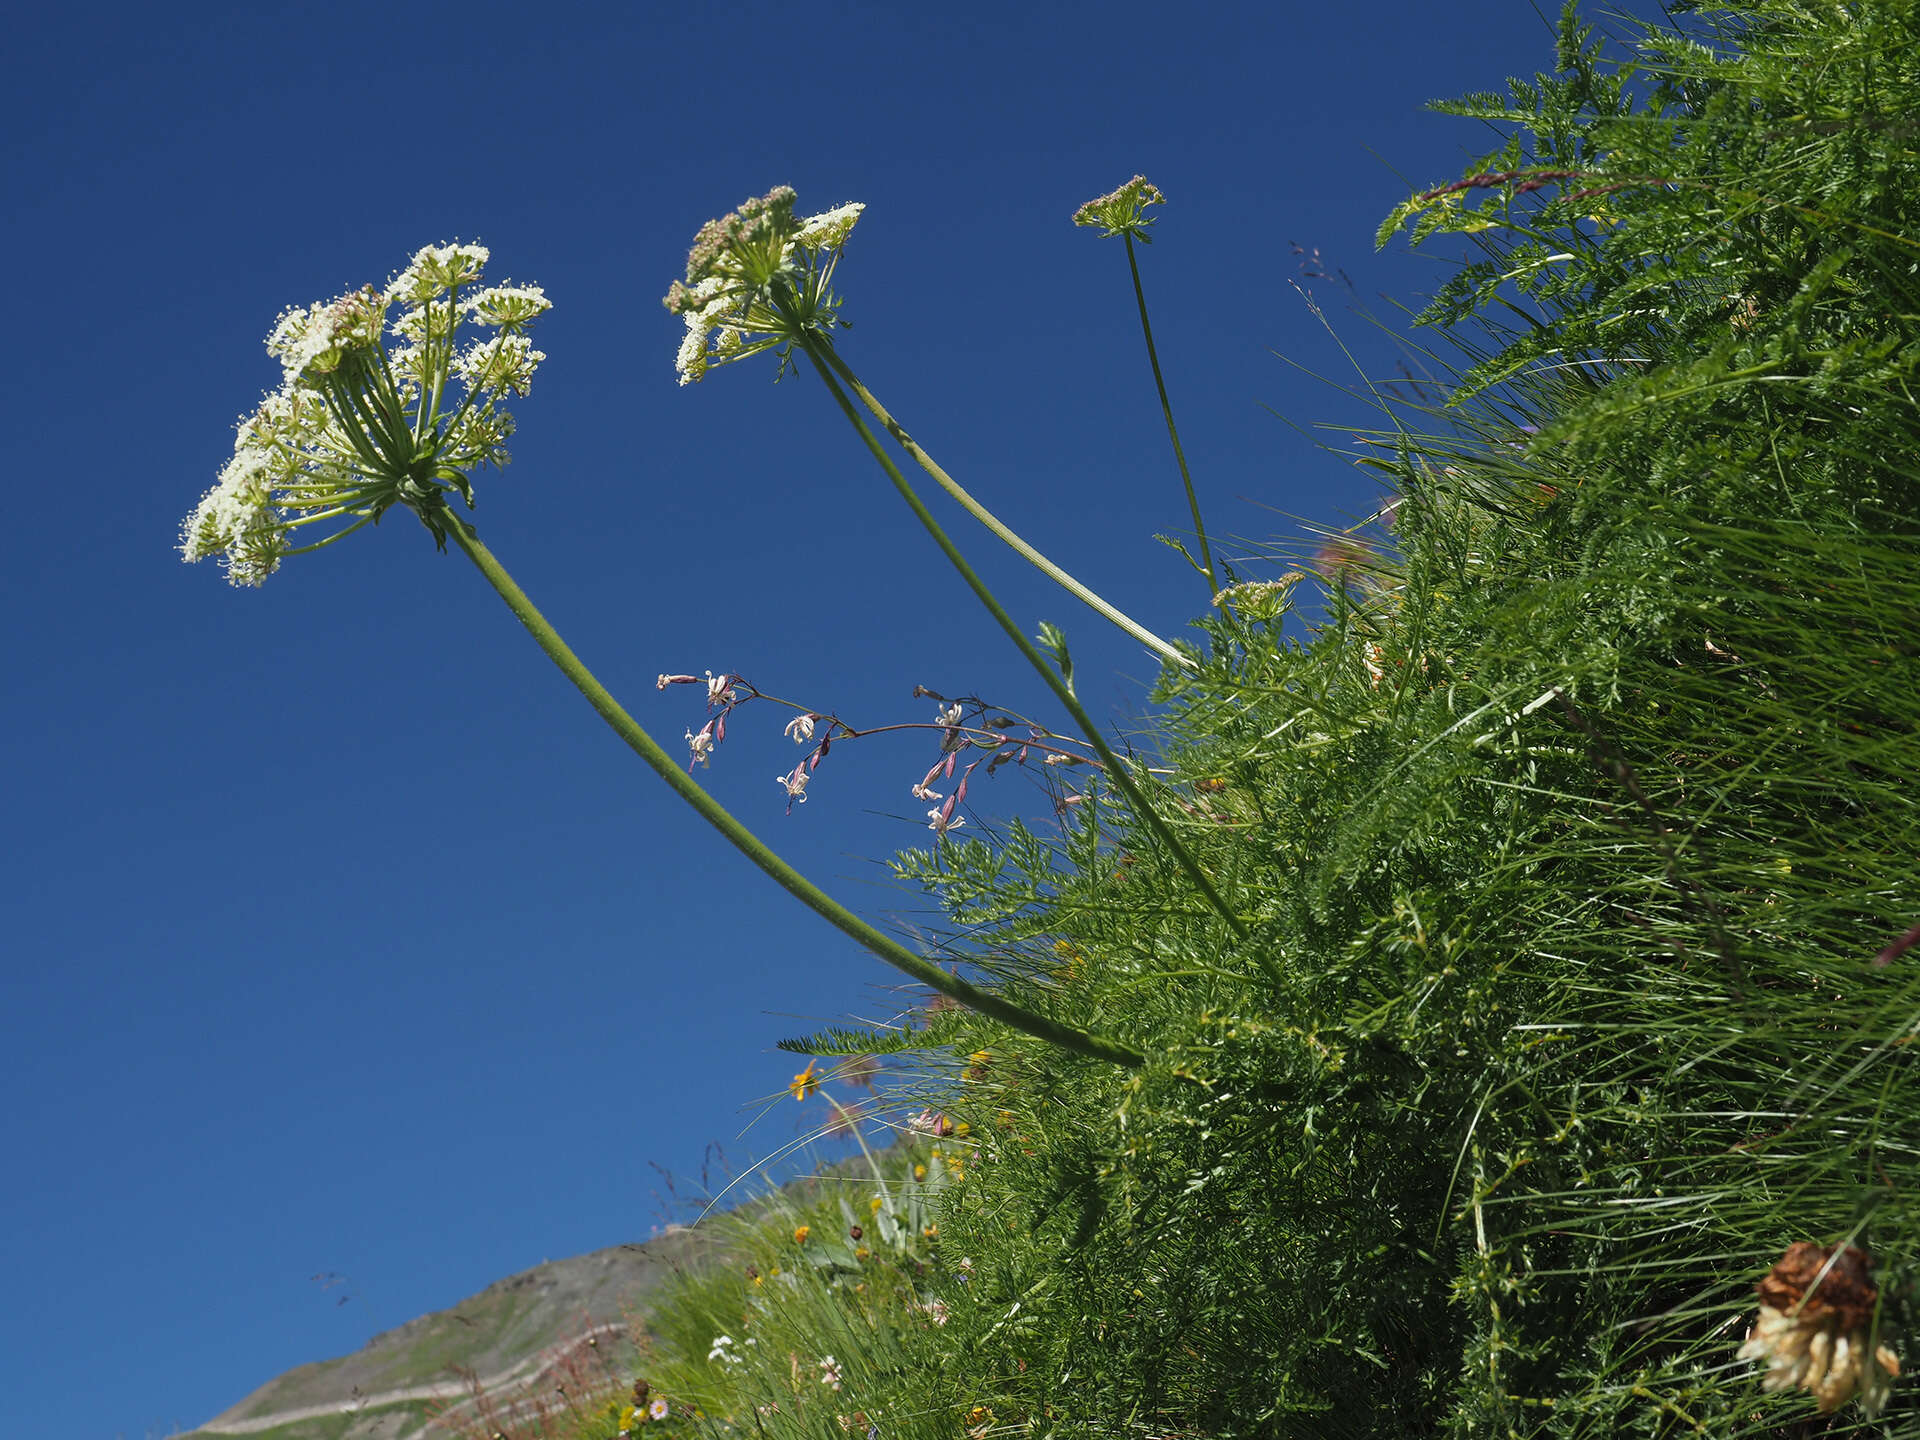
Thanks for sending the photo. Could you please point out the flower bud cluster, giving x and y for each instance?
(357, 427)
(1119, 212)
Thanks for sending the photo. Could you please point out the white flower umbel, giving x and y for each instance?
(758, 279)
(356, 427)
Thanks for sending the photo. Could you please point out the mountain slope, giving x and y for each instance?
(565, 1314)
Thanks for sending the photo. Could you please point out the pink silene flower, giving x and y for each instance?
(717, 691)
(795, 784)
(666, 680)
(924, 790)
(800, 728)
(701, 745)
(941, 819)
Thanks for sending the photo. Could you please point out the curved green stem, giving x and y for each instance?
(1062, 692)
(749, 844)
(827, 354)
(1166, 409)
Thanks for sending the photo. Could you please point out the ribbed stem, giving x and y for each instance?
(825, 352)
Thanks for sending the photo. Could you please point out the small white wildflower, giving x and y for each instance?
(718, 692)
(436, 269)
(795, 784)
(657, 1410)
(722, 1351)
(951, 715)
(506, 362)
(830, 1372)
(319, 340)
(509, 307)
(923, 792)
(936, 1311)
(800, 729)
(705, 308)
(828, 229)
(940, 822)
(701, 745)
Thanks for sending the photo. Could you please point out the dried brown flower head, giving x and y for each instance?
(1814, 1330)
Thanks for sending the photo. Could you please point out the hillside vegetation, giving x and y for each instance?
(1564, 823)
(1479, 999)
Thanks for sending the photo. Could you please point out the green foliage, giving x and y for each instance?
(818, 1318)
(1566, 836)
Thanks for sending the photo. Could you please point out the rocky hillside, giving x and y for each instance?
(565, 1315)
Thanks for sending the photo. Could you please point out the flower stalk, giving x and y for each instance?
(1123, 212)
(1107, 611)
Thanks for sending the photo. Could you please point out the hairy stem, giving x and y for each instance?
(750, 845)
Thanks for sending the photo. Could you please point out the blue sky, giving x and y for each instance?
(341, 936)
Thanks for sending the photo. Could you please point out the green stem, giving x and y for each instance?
(825, 352)
(1061, 690)
(750, 845)
(1166, 409)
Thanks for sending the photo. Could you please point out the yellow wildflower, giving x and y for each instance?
(804, 1084)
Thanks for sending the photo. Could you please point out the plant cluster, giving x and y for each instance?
(1479, 1002)
(1572, 829)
